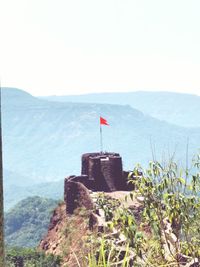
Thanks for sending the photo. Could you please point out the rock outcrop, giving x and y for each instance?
(76, 195)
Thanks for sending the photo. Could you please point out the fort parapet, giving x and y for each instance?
(105, 170)
(99, 172)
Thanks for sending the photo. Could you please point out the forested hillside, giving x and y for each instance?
(27, 222)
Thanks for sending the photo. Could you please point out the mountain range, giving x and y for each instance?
(176, 108)
(43, 139)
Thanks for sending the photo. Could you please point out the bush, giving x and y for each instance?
(24, 257)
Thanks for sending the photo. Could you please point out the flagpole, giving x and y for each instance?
(101, 139)
(102, 122)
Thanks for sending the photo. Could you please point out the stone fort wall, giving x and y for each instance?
(99, 172)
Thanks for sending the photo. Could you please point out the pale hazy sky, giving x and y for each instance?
(80, 46)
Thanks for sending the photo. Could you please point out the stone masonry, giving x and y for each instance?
(99, 172)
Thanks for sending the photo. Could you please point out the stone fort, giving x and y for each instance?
(99, 172)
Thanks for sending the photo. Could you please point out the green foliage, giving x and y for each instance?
(169, 193)
(107, 255)
(124, 221)
(108, 205)
(104, 251)
(24, 257)
(28, 221)
(171, 213)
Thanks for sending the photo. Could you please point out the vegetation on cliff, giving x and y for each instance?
(158, 224)
(167, 230)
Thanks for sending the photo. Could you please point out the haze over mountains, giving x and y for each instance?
(43, 140)
(176, 108)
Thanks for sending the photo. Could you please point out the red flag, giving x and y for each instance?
(103, 121)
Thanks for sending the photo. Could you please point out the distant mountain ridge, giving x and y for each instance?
(177, 108)
(18, 187)
(44, 140)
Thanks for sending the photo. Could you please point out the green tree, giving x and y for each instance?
(26, 257)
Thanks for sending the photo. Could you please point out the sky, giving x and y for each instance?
(60, 47)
